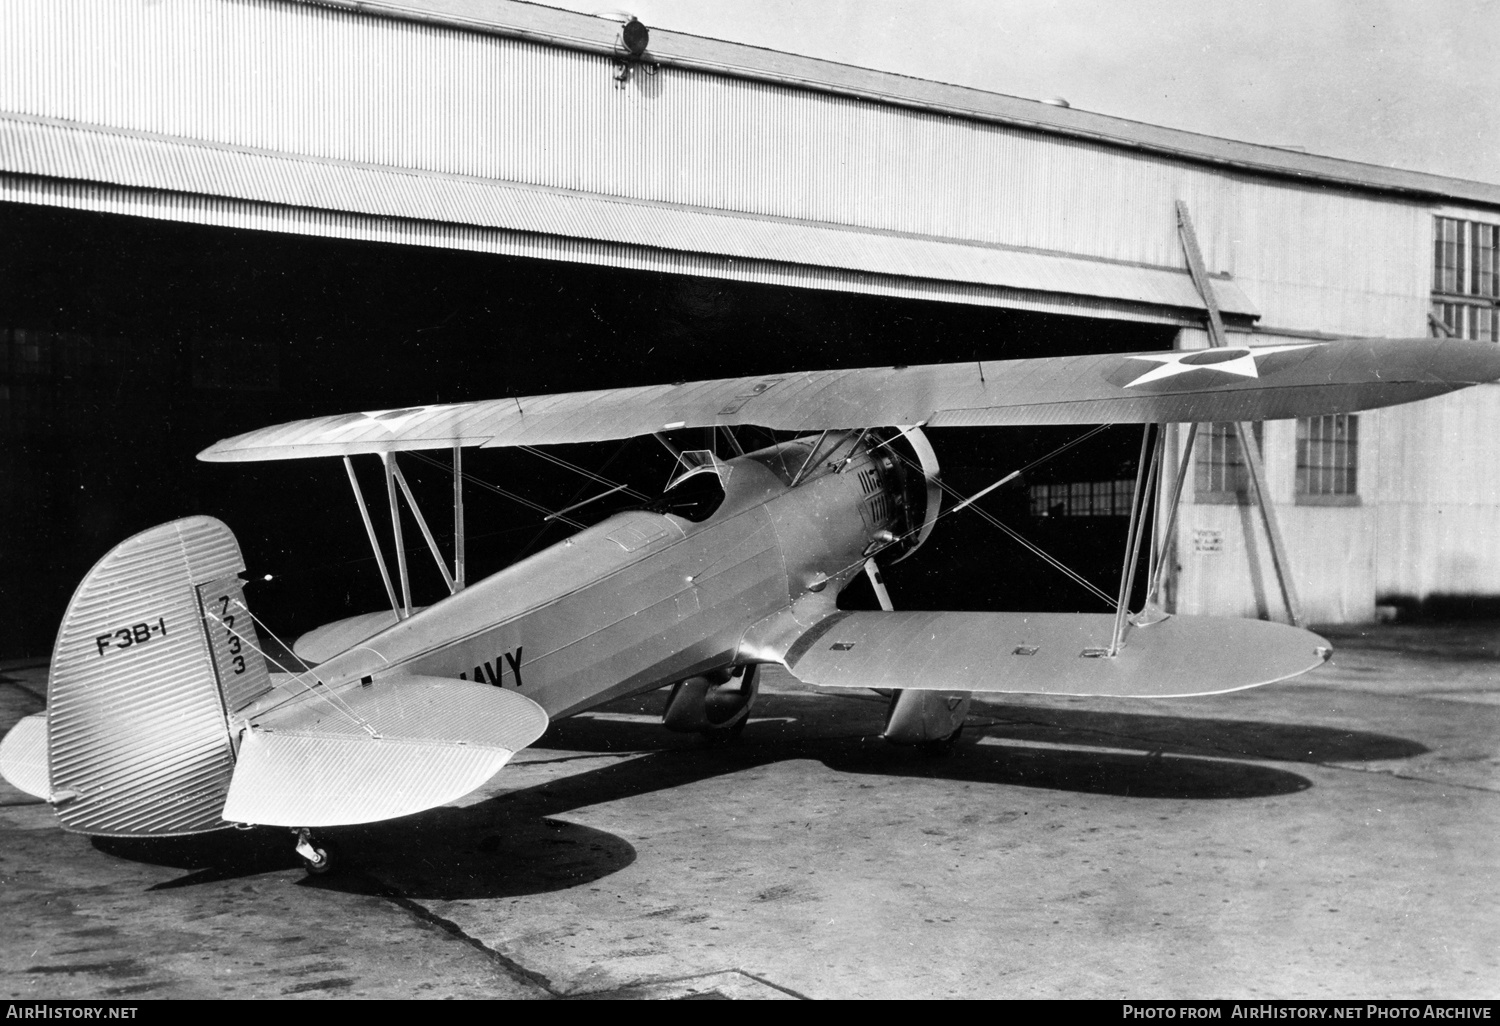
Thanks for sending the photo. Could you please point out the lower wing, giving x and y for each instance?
(1050, 654)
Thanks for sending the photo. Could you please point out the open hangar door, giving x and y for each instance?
(132, 343)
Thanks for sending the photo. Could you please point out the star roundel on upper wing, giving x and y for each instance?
(1205, 368)
(392, 421)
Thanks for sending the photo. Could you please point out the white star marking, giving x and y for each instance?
(1241, 365)
(394, 420)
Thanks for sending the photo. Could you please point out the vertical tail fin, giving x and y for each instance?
(156, 649)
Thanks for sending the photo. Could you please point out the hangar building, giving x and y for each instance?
(223, 213)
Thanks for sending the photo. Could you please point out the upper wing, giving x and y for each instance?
(1261, 383)
(1050, 654)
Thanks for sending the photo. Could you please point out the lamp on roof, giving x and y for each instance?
(635, 36)
(630, 51)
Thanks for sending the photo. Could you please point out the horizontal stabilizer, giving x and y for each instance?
(391, 748)
(23, 756)
(325, 642)
(294, 781)
(1050, 654)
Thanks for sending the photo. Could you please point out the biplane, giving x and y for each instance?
(167, 715)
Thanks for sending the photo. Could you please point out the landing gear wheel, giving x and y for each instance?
(318, 865)
(748, 690)
(943, 746)
(316, 859)
(724, 735)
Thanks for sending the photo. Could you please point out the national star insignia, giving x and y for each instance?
(394, 420)
(1235, 361)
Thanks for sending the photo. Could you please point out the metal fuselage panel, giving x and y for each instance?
(641, 599)
(678, 610)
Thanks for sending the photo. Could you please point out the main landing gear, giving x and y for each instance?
(315, 858)
(942, 746)
(710, 705)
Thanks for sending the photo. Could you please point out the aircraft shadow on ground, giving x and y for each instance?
(1147, 775)
(221, 855)
(1217, 738)
(804, 718)
(489, 850)
(515, 844)
(495, 849)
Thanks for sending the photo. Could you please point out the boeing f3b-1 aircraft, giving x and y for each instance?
(164, 717)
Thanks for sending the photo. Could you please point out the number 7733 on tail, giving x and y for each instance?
(165, 718)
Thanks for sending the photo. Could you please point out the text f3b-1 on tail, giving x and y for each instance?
(400, 713)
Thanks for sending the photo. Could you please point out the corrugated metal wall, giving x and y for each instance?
(229, 212)
(1438, 496)
(1329, 262)
(1427, 522)
(333, 84)
(398, 97)
(1225, 559)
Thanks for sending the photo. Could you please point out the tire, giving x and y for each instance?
(322, 866)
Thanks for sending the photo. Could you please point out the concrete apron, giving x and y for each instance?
(1333, 836)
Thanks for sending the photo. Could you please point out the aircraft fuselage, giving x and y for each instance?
(645, 599)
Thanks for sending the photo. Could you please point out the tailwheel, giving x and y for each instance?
(316, 858)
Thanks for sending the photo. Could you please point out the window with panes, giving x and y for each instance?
(1464, 293)
(1220, 473)
(1083, 499)
(1328, 459)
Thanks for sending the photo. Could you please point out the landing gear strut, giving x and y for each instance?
(316, 859)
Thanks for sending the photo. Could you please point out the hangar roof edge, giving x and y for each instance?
(586, 32)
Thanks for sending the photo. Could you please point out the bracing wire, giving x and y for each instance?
(1064, 448)
(471, 479)
(1036, 550)
(1024, 542)
(1015, 535)
(526, 549)
(327, 695)
(597, 478)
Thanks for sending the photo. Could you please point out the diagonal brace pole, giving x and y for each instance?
(459, 560)
(1164, 554)
(1145, 479)
(364, 514)
(416, 511)
(390, 495)
(1249, 450)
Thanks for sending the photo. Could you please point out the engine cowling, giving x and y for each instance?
(908, 473)
(712, 704)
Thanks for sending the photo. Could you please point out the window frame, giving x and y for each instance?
(1346, 492)
(1080, 499)
(1466, 278)
(1222, 433)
